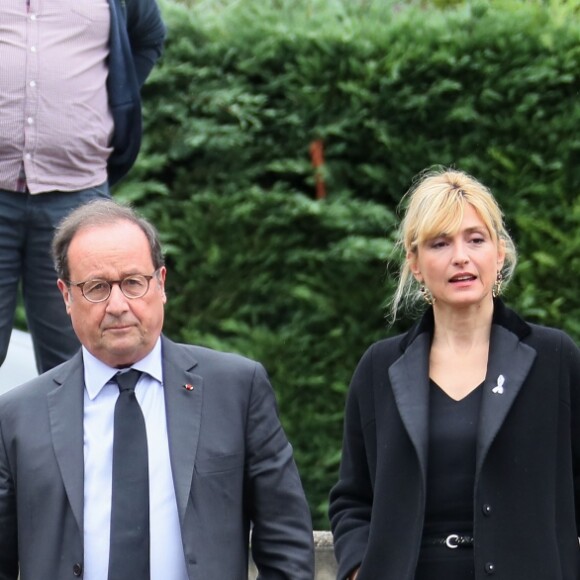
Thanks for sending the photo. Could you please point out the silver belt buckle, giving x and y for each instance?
(451, 541)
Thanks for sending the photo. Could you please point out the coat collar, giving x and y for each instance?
(509, 363)
(502, 316)
(509, 358)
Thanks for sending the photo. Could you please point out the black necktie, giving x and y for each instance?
(129, 553)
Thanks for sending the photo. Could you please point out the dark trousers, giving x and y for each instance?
(27, 224)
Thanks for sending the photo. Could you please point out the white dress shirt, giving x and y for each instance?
(167, 556)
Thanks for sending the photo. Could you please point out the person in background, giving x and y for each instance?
(70, 127)
(461, 451)
(141, 458)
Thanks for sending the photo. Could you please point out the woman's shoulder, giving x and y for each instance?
(531, 333)
(389, 344)
(384, 352)
(547, 336)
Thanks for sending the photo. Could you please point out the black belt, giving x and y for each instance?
(452, 541)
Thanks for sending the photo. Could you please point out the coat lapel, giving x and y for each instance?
(65, 407)
(508, 357)
(509, 363)
(183, 401)
(409, 377)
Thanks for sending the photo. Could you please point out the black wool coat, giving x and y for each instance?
(527, 487)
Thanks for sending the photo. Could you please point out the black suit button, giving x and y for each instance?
(77, 569)
(486, 509)
(490, 568)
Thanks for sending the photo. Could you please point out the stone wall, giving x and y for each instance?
(325, 562)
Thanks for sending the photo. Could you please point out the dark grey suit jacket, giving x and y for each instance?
(232, 467)
(527, 480)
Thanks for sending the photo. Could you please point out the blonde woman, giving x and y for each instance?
(461, 451)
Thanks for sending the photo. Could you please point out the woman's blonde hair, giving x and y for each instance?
(435, 205)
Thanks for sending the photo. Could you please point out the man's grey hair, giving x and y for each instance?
(100, 212)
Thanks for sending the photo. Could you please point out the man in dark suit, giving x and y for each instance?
(218, 460)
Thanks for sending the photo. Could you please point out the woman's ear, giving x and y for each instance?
(500, 254)
(413, 264)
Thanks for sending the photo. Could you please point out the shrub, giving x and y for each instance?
(259, 267)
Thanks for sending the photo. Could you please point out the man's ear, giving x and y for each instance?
(161, 281)
(66, 293)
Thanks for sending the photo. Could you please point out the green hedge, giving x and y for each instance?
(256, 265)
(242, 92)
(292, 282)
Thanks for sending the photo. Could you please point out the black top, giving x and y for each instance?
(451, 463)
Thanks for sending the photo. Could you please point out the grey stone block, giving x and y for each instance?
(324, 558)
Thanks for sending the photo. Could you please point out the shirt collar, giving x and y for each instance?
(98, 374)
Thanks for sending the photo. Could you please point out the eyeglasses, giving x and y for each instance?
(97, 290)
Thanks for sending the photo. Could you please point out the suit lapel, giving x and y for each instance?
(508, 358)
(409, 377)
(183, 408)
(65, 407)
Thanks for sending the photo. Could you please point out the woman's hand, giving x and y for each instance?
(354, 574)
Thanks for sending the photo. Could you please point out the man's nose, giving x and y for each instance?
(117, 301)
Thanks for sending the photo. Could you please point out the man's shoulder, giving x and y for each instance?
(32, 392)
(205, 356)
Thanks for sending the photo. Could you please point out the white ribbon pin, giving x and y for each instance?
(498, 389)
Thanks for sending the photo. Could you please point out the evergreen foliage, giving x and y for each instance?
(291, 282)
(256, 265)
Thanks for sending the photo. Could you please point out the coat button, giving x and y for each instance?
(486, 509)
(77, 569)
(490, 568)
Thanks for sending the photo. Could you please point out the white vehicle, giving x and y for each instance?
(20, 365)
